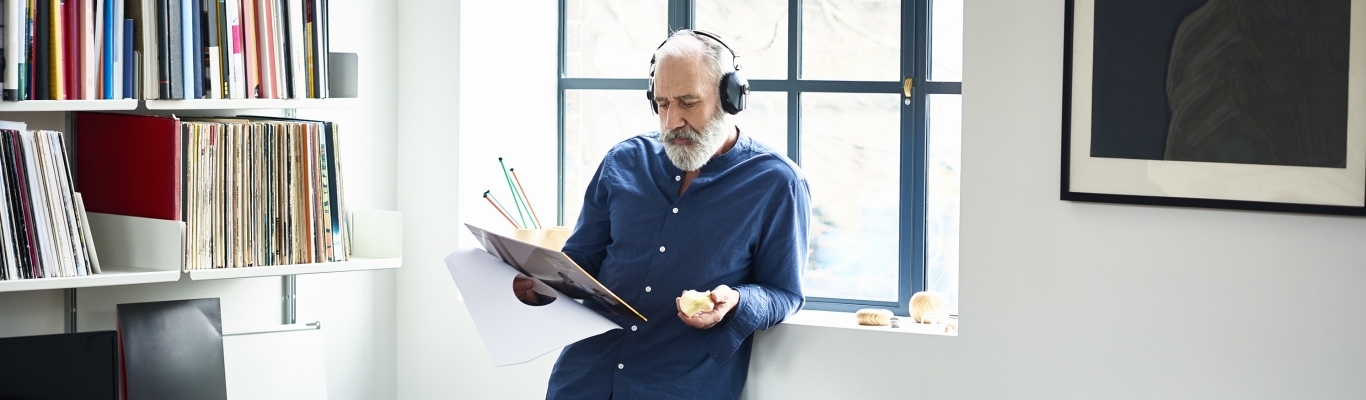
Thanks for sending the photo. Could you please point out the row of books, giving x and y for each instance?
(252, 191)
(67, 50)
(234, 49)
(164, 49)
(44, 232)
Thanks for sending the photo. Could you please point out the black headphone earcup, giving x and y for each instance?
(734, 92)
(650, 97)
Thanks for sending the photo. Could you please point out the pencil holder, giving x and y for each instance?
(551, 238)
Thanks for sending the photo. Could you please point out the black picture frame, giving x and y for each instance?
(1068, 193)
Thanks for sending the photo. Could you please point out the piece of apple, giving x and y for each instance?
(693, 302)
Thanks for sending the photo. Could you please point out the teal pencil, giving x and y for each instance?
(534, 218)
(520, 215)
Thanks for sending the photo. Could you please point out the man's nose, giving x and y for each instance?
(672, 119)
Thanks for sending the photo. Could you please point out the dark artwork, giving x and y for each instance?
(1227, 81)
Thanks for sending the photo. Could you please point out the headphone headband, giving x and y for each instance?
(734, 88)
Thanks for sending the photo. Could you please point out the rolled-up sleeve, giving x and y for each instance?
(587, 246)
(779, 260)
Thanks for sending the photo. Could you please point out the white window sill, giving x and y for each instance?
(846, 320)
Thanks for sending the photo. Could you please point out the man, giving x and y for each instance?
(698, 205)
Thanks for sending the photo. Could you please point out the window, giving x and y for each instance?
(826, 79)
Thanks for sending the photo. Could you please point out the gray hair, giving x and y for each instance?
(717, 58)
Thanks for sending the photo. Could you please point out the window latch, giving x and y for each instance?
(907, 87)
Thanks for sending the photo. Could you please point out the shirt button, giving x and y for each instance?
(633, 328)
(647, 289)
(678, 178)
(675, 210)
(620, 366)
(661, 249)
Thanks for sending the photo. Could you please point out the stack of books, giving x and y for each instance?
(67, 50)
(252, 191)
(234, 49)
(43, 228)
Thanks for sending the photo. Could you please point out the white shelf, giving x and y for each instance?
(356, 264)
(113, 275)
(121, 242)
(68, 105)
(204, 104)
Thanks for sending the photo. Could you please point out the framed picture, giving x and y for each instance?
(1216, 103)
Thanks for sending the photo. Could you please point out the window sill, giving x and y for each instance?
(846, 320)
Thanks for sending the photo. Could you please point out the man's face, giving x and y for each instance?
(691, 123)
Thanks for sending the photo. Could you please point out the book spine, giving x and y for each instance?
(263, 48)
(57, 89)
(187, 47)
(164, 34)
(116, 72)
(323, 55)
(128, 70)
(88, 59)
(195, 52)
(30, 51)
(13, 52)
(177, 50)
(236, 57)
(70, 46)
(42, 36)
(107, 51)
(251, 49)
(296, 49)
(213, 58)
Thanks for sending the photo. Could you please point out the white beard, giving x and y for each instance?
(703, 146)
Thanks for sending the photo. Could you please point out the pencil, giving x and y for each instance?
(493, 202)
(504, 169)
(534, 217)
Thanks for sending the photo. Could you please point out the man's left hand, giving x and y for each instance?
(723, 297)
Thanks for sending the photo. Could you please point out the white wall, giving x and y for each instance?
(476, 82)
(1059, 299)
(357, 309)
(1075, 300)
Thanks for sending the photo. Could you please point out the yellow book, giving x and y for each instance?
(55, 46)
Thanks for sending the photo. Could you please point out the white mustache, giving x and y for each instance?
(682, 133)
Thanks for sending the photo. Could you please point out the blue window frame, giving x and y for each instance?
(578, 91)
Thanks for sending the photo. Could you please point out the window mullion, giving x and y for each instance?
(681, 15)
(794, 70)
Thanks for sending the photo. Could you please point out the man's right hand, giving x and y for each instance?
(522, 286)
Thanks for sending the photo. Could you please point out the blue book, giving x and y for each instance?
(187, 11)
(128, 58)
(107, 77)
(198, 54)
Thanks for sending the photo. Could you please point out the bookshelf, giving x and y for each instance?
(68, 105)
(244, 104)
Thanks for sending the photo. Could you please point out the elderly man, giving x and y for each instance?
(698, 205)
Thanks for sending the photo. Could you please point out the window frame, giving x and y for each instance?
(915, 61)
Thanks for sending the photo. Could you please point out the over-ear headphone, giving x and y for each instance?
(734, 88)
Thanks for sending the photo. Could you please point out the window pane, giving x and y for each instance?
(941, 213)
(756, 29)
(946, 41)
(612, 38)
(765, 119)
(851, 40)
(850, 154)
(594, 121)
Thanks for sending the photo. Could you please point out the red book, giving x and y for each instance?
(129, 164)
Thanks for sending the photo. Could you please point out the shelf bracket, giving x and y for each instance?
(290, 298)
(70, 310)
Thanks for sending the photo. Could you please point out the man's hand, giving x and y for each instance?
(724, 299)
(522, 287)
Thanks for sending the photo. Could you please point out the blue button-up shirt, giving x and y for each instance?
(743, 222)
